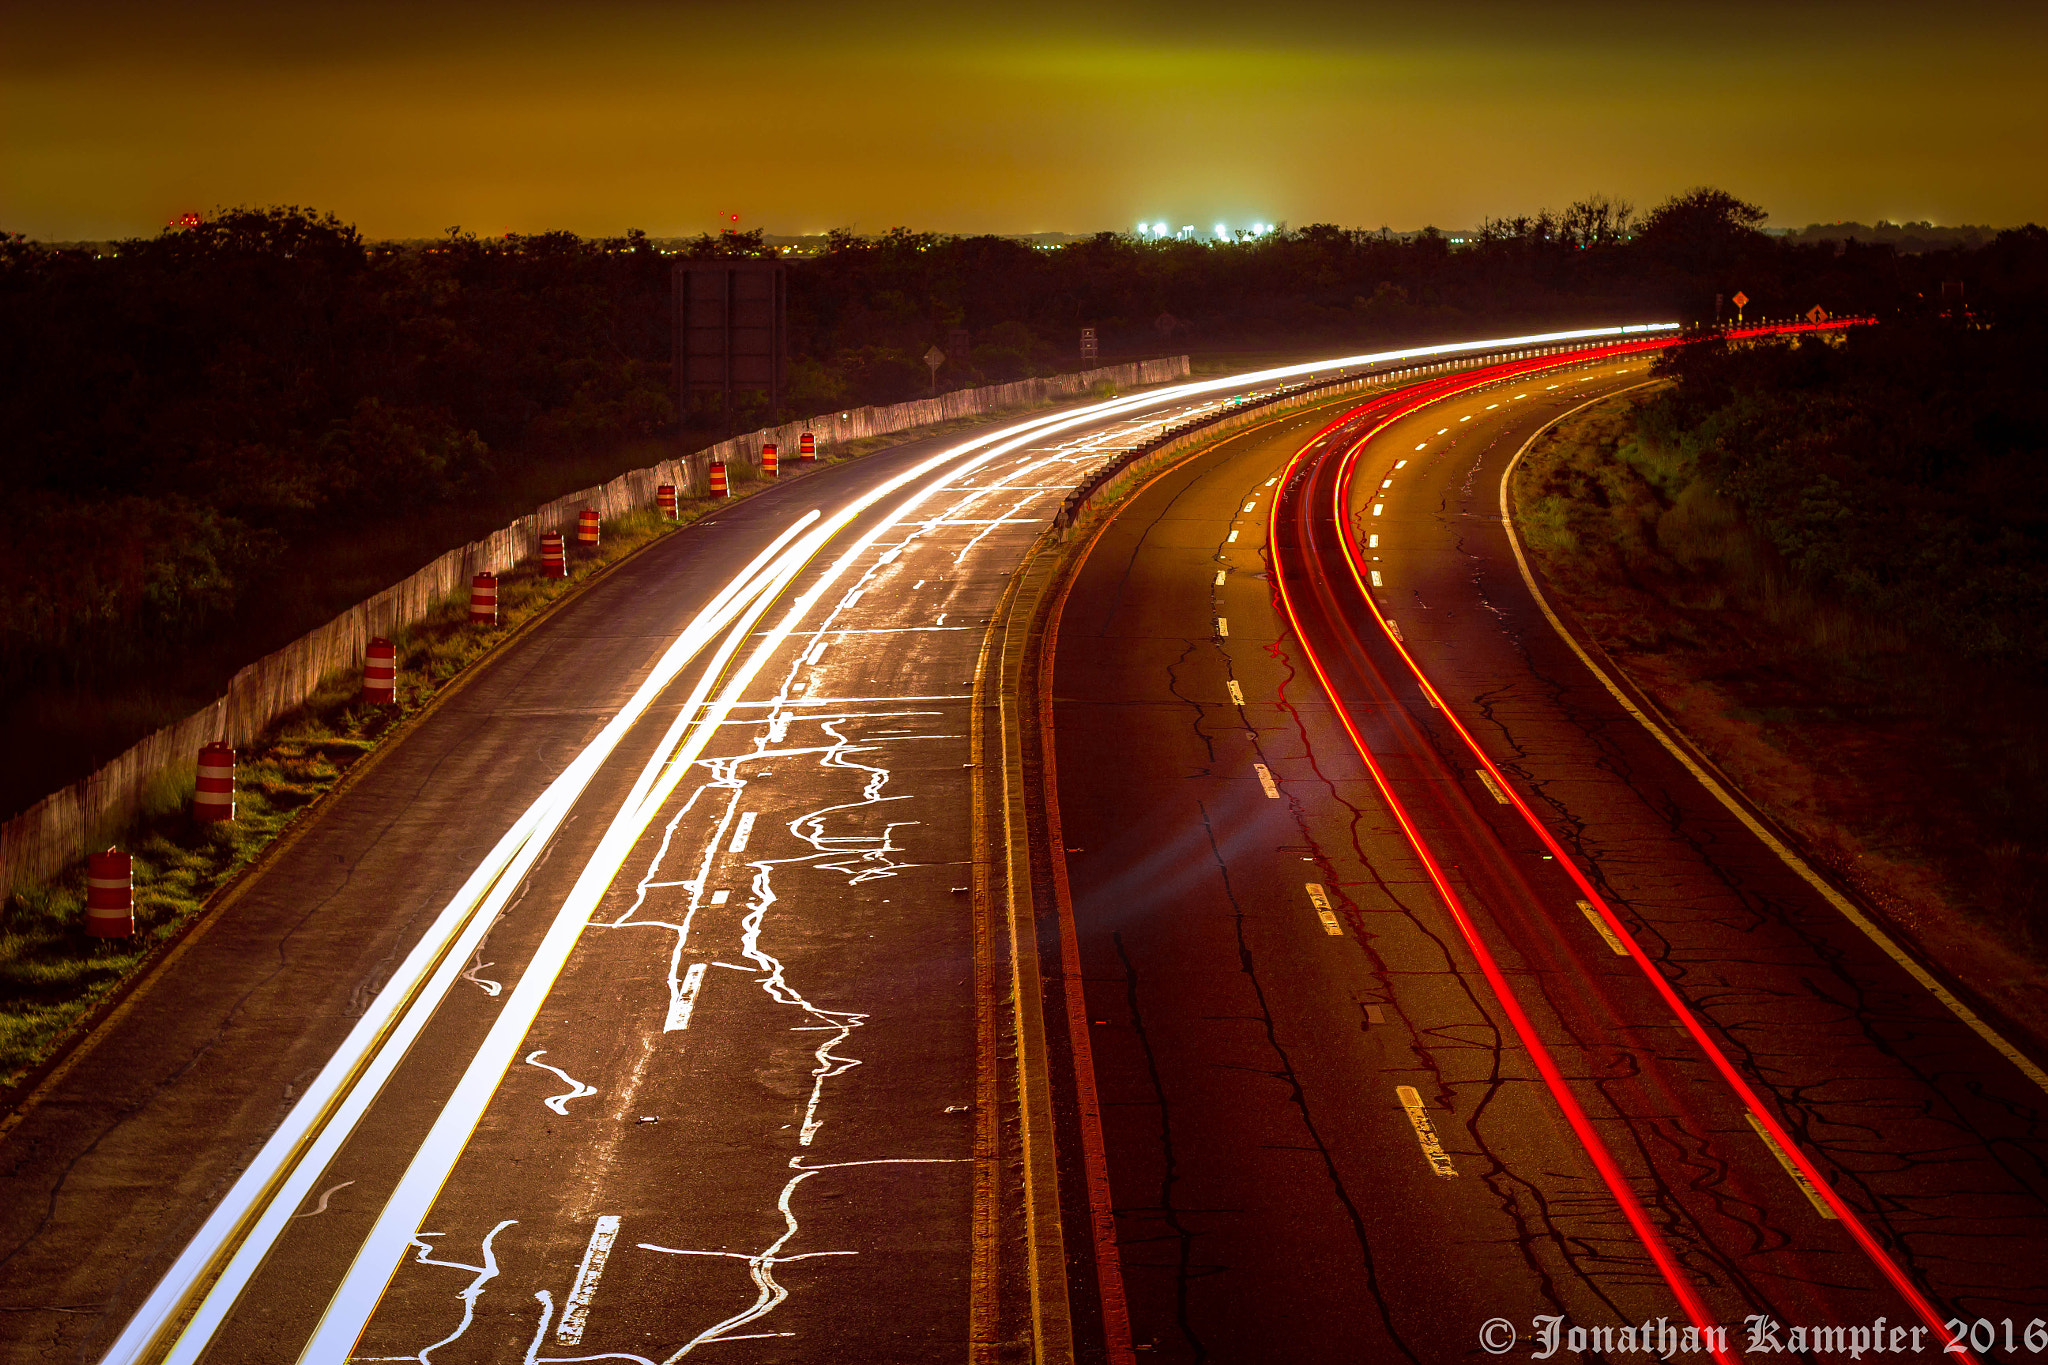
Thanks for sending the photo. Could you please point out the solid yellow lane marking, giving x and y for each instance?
(1486, 780)
(1806, 1188)
(1425, 1131)
(1593, 918)
(1321, 900)
(1266, 780)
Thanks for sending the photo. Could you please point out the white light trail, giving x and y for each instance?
(243, 1228)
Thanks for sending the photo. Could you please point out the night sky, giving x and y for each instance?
(407, 119)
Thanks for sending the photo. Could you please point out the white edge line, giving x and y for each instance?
(1737, 808)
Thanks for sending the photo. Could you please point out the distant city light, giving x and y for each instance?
(1159, 229)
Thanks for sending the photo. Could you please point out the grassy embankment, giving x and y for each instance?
(1916, 774)
(52, 974)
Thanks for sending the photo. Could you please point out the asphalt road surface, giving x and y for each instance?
(1326, 1136)
(741, 1112)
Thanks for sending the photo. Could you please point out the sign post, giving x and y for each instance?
(933, 359)
(1088, 347)
(1741, 301)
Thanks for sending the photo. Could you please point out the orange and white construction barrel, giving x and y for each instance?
(483, 600)
(110, 895)
(719, 488)
(553, 562)
(806, 450)
(768, 467)
(665, 501)
(586, 529)
(214, 798)
(380, 673)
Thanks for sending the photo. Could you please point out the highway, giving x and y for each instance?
(704, 1067)
(652, 996)
(1323, 996)
(642, 998)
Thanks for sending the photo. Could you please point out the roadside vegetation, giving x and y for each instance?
(221, 436)
(53, 974)
(1829, 565)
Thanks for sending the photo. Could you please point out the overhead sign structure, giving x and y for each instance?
(730, 331)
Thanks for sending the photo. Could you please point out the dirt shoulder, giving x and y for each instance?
(1895, 768)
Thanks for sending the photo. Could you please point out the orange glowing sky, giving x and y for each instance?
(409, 118)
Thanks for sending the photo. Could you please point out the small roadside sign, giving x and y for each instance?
(1741, 300)
(1816, 314)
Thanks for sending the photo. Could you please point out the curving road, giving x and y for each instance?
(1270, 935)
(653, 949)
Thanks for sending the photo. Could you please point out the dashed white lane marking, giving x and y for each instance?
(1222, 628)
(684, 1003)
(1219, 578)
(1266, 780)
(1375, 1015)
(851, 598)
(1806, 1188)
(1425, 1131)
(1386, 483)
(1236, 693)
(1593, 918)
(577, 1307)
(1400, 464)
(1421, 444)
(1466, 418)
(1270, 482)
(742, 833)
(1376, 579)
(1394, 629)
(1486, 780)
(720, 896)
(1491, 406)
(1233, 538)
(1443, 431)
(817, 651)
(1249, 506)
(1373, 541)
(1376, 508)
(1321, 900)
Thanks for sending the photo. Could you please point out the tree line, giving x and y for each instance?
(185, 412)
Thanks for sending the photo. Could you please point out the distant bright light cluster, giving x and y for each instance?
(1187, 232)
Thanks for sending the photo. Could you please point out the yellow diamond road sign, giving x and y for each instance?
(1816, 314)
(1742, 300)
